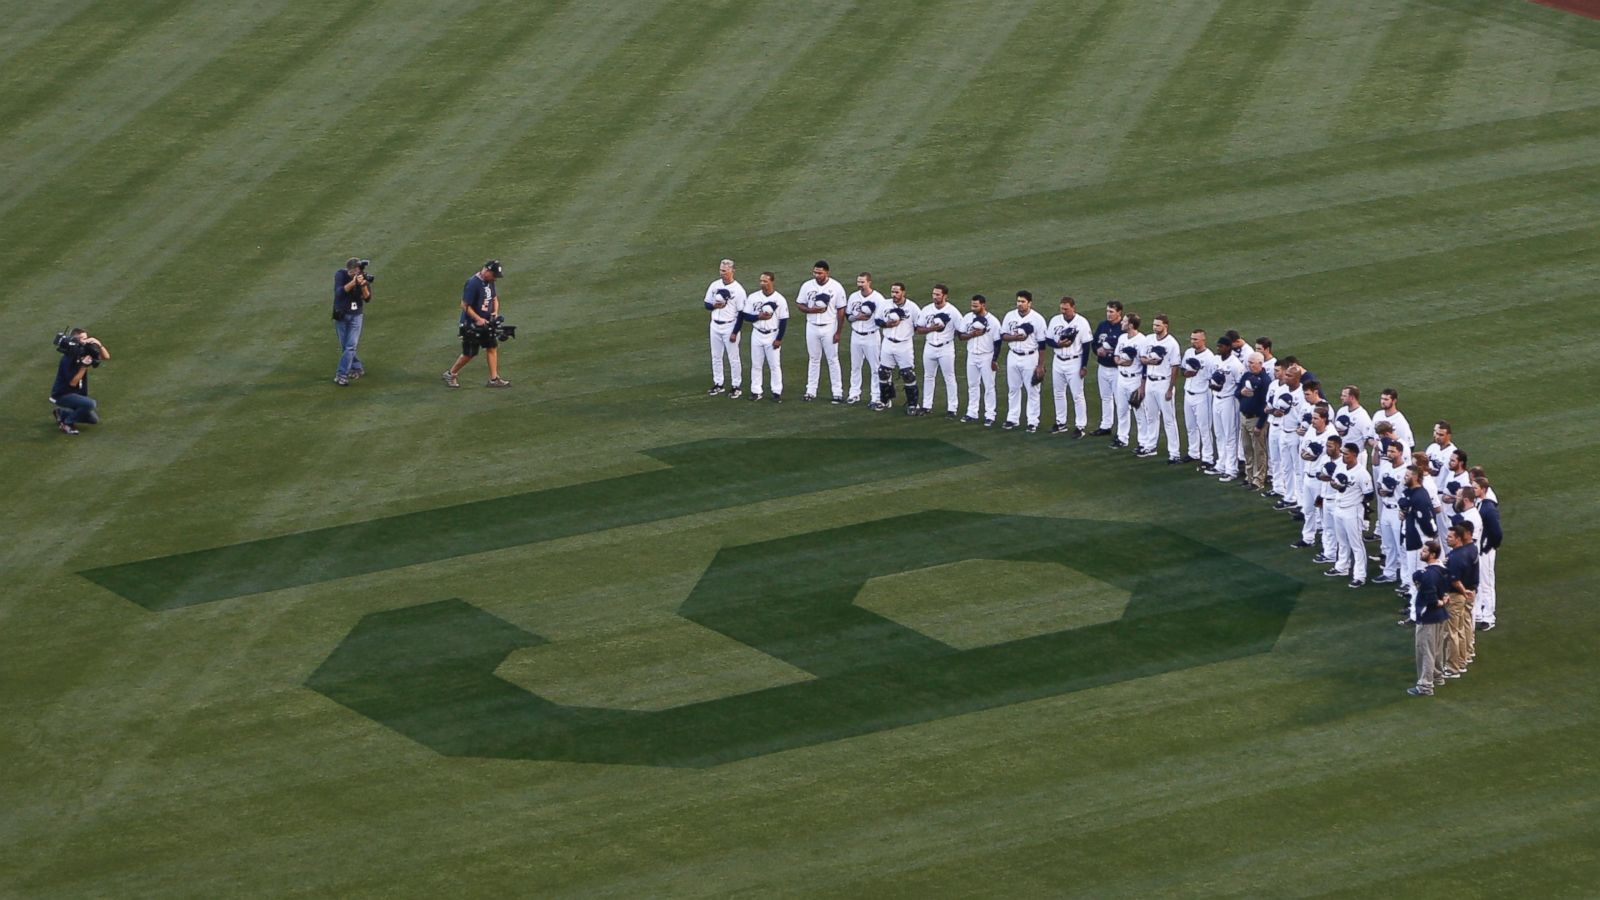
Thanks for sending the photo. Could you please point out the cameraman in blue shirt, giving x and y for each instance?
(480, 306)
(79, 353)
(352, 291)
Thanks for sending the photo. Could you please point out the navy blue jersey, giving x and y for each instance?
(346, 303)
(1106, 336)
(1432, 584)
(480, 295)
(1462, 564)
(70, 363)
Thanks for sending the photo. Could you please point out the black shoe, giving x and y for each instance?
(735, 394)
(1335, 573)
(1482, 626)
(1323, 559)
(715, 390)
(1117, 445)
(988, 423)
(852, 401)
(950, 415)
(755, 398)
(1406, 623)
(1173, 461)
(1283, 504)
(968, 420)
(1300, 545)
(1100, 432)
(1385, 579)
(1145, 452)
(1356, 584)
(916, 411)
(836, 401)
(808, 397)
(1077, 434)
(1009, 425)
(875, 406)
(777, 398)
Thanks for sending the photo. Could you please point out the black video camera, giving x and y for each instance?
(494, 329)
(69, 344)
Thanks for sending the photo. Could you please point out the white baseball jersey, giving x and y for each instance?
(732, 304)
(1476, 518)
(774, 303)
(945, 318)
(1225, 379)
(829, 293)
(1315, 444)
(1354, 425)
(1031, 326)
(1279, 399)
(980, 346)
(1439, 458)
(858, 304)
(1166, 348)
(1390, 483)
(1130, 348)
(1072, 338)
(1197, 366)
(1350, 484)
(898, 321)
(1402, 428)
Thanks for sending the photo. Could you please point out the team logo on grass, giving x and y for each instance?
(429, 671)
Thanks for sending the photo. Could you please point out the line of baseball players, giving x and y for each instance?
(1249, 417)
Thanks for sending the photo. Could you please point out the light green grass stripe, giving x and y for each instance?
(1407, 83)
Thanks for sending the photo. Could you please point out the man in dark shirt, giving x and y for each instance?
(1431, 610)
(480, 303)
(1252, 396)
(70, 392)
(1416, 527)
(1462, 566)
(351, 293)
(1106, 336)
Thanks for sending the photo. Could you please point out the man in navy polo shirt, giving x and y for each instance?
(480, 303)
(1429, 608)
(351, 293)
(70, 393)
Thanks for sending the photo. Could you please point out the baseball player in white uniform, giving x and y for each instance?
(859, 311)
(822, 300)
(1293, 424)
(896, 321)
(980, 331)
(1279, 400)
(1225, 409)
(1350, 485)
(1389, 411)
(1439, 453)
(1021, 332)
(1160, 357)
(1130, 376)
(1311, 452)
(767, 311)
(725, 301)
(1197, 365)
(939, 322)
(1391, 480)
(1069, 336)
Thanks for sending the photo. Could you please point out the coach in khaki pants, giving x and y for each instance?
(1253, 386)
(1462, 568)
(1432, 612)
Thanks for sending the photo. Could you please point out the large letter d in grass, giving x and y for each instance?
(429, 671)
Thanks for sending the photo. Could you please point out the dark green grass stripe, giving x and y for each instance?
(703, 476)
(36, 78)
(1532, 18)
(1192, 118)
(1406, 85)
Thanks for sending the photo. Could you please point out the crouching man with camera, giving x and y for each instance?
(79, 353)
(481, 326)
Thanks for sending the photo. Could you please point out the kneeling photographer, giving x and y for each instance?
(80, 352)
(481, 325)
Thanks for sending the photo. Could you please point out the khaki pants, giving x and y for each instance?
(1458, 632)
(1430, 654)
(1255, 452)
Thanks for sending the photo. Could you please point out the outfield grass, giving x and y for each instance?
(1400, 193)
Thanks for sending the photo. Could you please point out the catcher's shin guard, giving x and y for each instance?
(885, 383)
(908, 377)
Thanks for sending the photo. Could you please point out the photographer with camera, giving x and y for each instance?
(79, 353)
(352, 291)
(481, 326)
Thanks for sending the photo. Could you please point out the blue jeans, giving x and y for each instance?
(349, 331)
(77, 408)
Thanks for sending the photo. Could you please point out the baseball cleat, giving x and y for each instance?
(1100, 432)
(1354, 583)
(1033, 429)
(967, 420)
(715, 390)
(836, 401)
(950, 415)
(1300, 545)
(755, 398)
(1077, 433)
(1057, 429)
(1417, 691)
(1009, 425)
(777, 398)
(808, 397)
(735, 394)
(988, 423)
(1118, 445)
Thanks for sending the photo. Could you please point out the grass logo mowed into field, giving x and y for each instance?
(428, 671)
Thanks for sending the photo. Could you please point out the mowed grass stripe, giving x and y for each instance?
(49, 47)
(1408, 82)
(1194, 114)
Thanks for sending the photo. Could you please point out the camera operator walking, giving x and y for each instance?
(79, 353)
(480, 320)
(352, 291)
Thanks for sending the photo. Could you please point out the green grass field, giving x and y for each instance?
(602, 635)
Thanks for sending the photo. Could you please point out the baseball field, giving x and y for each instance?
(602, 634)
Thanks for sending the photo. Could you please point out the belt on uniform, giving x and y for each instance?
(932, 344)
(767, 330)
(1069, 358)
(1126, 374)
(1155, 378)
(895, 340)
(862, 333)
(1391, 506)
(1023, 352)
(828, 321)
(717, 322)
(1200, 393)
